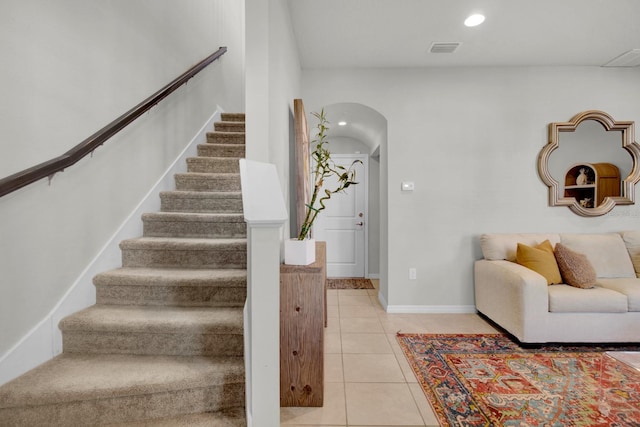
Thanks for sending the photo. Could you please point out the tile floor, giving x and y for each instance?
(368, 381)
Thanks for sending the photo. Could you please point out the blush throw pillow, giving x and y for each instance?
(540, 259)
(575, 268)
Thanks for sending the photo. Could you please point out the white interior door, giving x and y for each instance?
(343, 224)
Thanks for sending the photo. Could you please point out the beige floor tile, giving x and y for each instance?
(423, 404)
(345, 300)
(407, 371)
(381, 404)
(333, 311)
(447, 323)
(332, 413)
(376, 368)
(365, 344)
(353, 292)
(361, 325)
(358, 311)
(333, 372)
(404, 323)
(332, 299)
(375, 301)
(332, 344)
(333, 325)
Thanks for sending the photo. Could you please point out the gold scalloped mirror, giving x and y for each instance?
(594, 165)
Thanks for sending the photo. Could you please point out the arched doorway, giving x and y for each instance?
(358, 131)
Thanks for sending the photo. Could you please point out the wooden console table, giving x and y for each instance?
(302, 320)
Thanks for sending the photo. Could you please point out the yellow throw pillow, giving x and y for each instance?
(541, 260)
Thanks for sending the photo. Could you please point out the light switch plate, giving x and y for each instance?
(408, 186)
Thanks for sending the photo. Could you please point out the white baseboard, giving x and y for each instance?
(459, 309)
(373, 276)
(44, 341)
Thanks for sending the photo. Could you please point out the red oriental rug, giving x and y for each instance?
(489, 380)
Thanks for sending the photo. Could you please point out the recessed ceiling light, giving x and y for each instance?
(474, 20)
(342, 123)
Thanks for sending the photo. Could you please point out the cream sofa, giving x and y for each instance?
(520, 301)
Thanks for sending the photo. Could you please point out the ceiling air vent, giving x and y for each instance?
(444, 47)
(627, 59)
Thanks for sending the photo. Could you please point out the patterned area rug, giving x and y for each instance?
(349, 283)
(488, 380)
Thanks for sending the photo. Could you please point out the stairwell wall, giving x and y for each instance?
(71, 67)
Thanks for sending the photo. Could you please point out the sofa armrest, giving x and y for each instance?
(513, 296)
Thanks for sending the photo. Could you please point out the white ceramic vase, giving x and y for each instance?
(299, 252)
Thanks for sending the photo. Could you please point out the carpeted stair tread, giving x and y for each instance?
(180, 243)
(172, 276)
(201, 201)
(213, 164)
(194, 216)
(70, 377)
(196, 181)
(179, 252)
(234, 417)
(155, 320)
(184, 224)
(221, 150)
(159, 330)
(177, 287)
(232, 117)
(220, 137)
(228, 126)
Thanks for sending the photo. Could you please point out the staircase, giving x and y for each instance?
(163, 346)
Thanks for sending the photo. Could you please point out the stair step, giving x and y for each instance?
(84, 389)
(147, 330)
(234, 417)
(171, 252)
(176, 287)
(183, 224)
(219, 137)
(201, 201)
(192, 181)
(228, 126)
(232, 117)
(221, 150)
(213, 164)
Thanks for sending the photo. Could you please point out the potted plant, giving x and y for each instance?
(301, 250)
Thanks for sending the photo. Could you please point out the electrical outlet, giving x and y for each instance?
(412, 273)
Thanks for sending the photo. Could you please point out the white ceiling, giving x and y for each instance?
(398, 33)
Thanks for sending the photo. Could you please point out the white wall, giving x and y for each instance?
(469, 139)
(69, 68)
(272, 83)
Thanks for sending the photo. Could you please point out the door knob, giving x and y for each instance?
(360, 223)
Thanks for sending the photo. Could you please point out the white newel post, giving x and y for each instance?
(265, 214)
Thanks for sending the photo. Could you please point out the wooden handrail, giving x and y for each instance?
(58, 164)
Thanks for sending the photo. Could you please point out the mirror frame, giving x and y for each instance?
(628, 143)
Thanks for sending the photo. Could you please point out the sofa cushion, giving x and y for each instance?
(606, 252)
(540, 259)
(630, 287)
(575, 268)
(569, 299)
(503, 246)
(632, 241)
